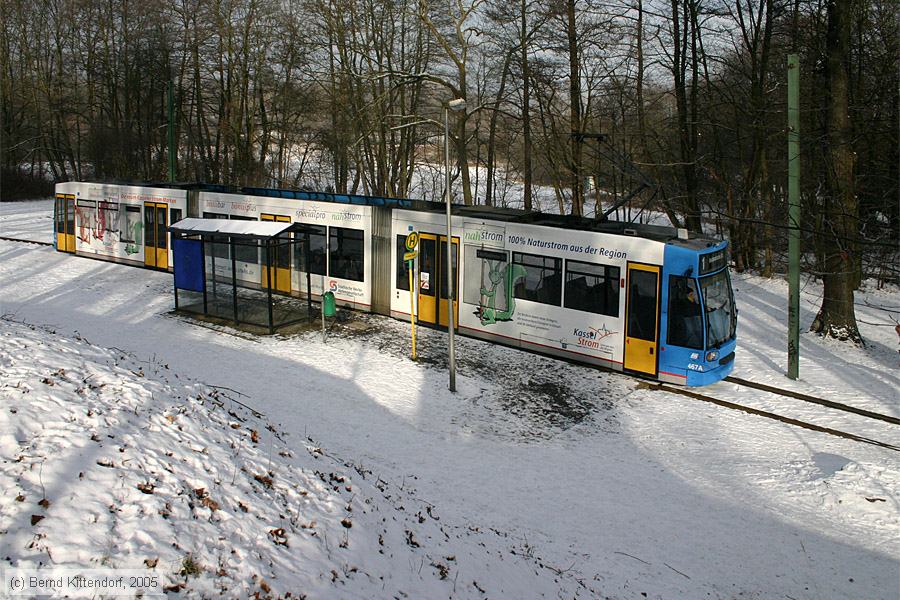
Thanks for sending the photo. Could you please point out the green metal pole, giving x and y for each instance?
(793, 74)
(171, 101)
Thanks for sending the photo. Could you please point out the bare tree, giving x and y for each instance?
(837, 317)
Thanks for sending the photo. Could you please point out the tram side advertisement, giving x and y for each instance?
(534, 286)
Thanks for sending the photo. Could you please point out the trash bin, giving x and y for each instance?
(328, 306)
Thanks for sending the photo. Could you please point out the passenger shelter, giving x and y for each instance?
(206, 254)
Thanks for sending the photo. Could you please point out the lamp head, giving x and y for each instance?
(457, 104)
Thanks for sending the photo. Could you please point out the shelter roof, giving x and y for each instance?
(250, 229)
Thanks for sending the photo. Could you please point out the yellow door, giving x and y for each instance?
(280, 261)
(642, 318)
(428, 278)
(162, 237)
(150, 235)
(59, 222)
(156, 243)
(444, 299)
(64, 216)
(433, 296)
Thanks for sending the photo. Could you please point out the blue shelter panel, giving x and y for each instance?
(187, 260)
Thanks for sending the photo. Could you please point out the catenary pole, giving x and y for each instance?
(451, 349)
(793, 74)
(170, 93)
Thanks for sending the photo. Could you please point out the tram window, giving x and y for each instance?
(217, 247)
(642, 305)
(316, 239)
(685, 313)
(402, 268)
(543, 278)
(109, 216)
(87, 212)
(161, 239)
(427, 266)
(174, 215)
(487, 274)
(346, 255)
(130, 224)
(149, 225)
(60, 215)
(592, 288)
(245, 250)
(70, 216)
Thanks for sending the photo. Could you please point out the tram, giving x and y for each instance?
(652, 301)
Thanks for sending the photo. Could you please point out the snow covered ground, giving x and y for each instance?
(548, 479)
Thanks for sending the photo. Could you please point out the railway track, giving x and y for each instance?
(788, 420)
(813, 400)
(734, 406)
(10, 239)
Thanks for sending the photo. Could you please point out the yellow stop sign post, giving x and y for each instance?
(412, 240)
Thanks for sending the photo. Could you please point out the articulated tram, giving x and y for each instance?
(647, 300)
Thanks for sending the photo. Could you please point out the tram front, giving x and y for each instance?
(700, 318)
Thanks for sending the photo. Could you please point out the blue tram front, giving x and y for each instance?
(699, 317)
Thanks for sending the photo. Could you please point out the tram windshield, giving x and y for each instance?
(720, 313)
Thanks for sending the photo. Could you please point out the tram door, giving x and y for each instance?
(641, 318)
(433, 293)
(64, 214)
(156, 247)
(280, 271)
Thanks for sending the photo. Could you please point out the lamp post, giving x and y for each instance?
(456, 105)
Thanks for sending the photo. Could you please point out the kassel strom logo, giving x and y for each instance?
(591, 336)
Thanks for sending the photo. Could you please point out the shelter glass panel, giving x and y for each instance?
(316, 240)
(245, 251)
(218, 245)
(281, 251)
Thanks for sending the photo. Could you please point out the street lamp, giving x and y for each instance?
(456, 105)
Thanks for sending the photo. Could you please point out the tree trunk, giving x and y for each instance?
(492, 136)
(575, 111)
(526, 109)
(837, 317)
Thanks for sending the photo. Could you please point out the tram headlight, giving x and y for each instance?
(711, 356)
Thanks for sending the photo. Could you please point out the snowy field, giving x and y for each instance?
(367, 478)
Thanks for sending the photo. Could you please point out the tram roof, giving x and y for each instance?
(658, 233)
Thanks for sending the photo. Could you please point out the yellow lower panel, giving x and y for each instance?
(283, 280)
(640, 355)
(426, 309)
(443, 314)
